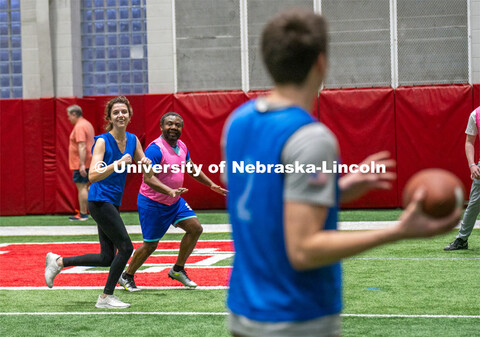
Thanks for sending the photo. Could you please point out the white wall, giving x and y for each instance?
(36, 49)
(475, 26)
(66, 47)
(51, 47)
(60, 46)
(161, 58)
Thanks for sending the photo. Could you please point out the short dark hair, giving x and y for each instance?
(162, 121)
(291, 43)
(75, 110)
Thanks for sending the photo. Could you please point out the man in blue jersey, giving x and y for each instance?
(286, 277)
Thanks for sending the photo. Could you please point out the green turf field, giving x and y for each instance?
(206, 217)
(412, 278)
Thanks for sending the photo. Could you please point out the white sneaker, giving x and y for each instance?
(51, 268)
(111, 302)
(182, 277)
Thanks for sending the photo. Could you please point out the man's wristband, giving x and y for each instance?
(470, 166)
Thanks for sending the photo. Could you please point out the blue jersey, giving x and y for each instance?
(111, 188)
(264, 286)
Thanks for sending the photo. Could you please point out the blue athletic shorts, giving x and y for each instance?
(77, 177)
(155, 222)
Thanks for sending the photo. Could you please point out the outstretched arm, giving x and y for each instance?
(309, 246)
(307, 201)
(202, 178)
(355, 185)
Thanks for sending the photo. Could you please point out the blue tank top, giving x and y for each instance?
(111, 188)
(263, 284)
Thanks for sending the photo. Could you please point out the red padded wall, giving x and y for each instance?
(65, 190)
(39, 150)
(49, 154)
(257, 93)
(155, 107)
(28, 130)
(254, 94)
(33, 152)
(204, 115)
(364, 122)
(431, 124)
(421, 126)
(12, 162)
(476, 95)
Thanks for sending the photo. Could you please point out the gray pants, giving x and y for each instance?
(471, 213)
(326, 326)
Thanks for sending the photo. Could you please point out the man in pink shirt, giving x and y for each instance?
(160, 205)
(80, 156)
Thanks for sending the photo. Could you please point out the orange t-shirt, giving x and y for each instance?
(82, 132)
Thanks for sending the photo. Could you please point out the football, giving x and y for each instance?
(444, 191)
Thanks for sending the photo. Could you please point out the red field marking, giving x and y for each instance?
(23, 265)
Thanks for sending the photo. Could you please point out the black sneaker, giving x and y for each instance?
(128, 283)
(457, 244)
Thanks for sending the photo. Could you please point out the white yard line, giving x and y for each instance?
(409, 316)
(364, 225)
(92, 230)
(415, 258)
(91, 242)
(207, 228)
(159, 313)
(118, 287)
(112, 313)
(218, 255)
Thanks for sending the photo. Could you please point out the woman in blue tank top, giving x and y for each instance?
(104, 199)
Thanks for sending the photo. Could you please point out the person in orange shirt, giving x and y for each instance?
(80, 156)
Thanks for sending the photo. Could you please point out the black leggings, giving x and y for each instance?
(113, 236)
